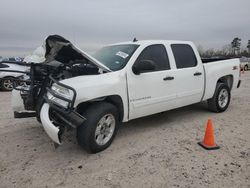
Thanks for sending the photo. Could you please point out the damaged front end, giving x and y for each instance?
(41, 91)
(57, 112)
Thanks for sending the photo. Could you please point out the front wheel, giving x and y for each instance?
(221, 98)
(100, 127)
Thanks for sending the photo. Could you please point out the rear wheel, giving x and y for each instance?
(100, 127)
(221, 98)
(7, 84)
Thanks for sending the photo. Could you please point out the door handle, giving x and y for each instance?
(197, 73)
(168, 78)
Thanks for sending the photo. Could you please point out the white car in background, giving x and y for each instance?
(12, 59)
(6, 78)
(244, 63)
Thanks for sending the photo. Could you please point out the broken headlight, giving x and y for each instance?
(60, 95)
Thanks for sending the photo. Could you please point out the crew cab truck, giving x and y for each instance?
(133, 79)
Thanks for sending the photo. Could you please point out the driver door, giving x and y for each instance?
(151, 91)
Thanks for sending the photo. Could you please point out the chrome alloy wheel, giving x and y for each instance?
(223, 98)
(7, 84)
(105, 129)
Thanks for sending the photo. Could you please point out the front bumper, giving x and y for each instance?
(51, 129)
(55, 122)
(56, 118)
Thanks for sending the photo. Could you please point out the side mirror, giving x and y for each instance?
(143, 66)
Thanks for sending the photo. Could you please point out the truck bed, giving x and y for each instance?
(214, 71)
(209, 60)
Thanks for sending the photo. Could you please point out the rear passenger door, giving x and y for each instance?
(189, 75)
(151, 91)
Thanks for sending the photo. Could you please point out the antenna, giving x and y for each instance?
(135, 40)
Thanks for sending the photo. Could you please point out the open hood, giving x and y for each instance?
(60, 49)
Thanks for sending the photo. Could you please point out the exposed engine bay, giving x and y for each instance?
(62, 60)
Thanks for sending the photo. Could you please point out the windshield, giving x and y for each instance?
(115, 57)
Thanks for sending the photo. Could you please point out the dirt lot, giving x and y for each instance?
(156, 151)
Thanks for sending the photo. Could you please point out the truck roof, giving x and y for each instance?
(148, 42)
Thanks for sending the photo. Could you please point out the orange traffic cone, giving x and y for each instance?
(208, 141)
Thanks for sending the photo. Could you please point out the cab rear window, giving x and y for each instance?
(184, 56)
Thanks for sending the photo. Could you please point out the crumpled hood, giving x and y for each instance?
(37, 56)
(60, 49)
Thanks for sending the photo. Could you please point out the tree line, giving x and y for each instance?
(234, 49)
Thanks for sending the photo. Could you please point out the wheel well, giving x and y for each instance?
(6, 77)
(12, 77)
(228, 80)
(116, 100)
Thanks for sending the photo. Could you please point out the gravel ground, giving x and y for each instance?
(156, 151)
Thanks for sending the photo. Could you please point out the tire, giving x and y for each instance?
(7, 84)
(245, 68)
(221, 98)
(92, 137)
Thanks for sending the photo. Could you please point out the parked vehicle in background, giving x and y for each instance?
(17, 59)
(13, 59)
(244, 63)
(120, 82)
(6, 78)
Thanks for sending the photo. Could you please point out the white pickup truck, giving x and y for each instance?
(120, 82)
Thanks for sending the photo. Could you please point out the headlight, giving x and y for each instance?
(63, 92)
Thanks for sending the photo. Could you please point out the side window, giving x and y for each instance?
(11, 59)
(184, 56)
(3, 65)
(156, 53)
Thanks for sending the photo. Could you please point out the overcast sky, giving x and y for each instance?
(90, 24)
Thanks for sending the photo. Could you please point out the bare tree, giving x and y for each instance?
(210, 53)
(200, 49)
(226, 50)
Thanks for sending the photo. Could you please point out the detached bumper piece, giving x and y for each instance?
(24, 114)
(239, 82)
